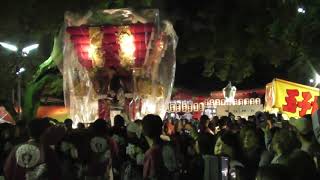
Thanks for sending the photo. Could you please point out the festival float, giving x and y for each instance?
(116, 61)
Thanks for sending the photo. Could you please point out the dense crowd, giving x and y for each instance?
(262, 147)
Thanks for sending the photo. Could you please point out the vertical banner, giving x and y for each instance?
(294, 100)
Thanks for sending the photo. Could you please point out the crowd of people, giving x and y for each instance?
(262, 147)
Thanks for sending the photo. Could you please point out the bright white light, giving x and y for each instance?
(8, 46)
(75, 124)
(26, 50)
(127, 44)
(21, 70)
(311, 80)
(317, 79)
(301, 10)
(148, 107)
(127, 47)
(225, 172)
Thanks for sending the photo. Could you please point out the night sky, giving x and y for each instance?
(189, 76)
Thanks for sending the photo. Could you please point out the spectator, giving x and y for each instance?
(159, 160)
(42, 161)
(306, 137)
(103, 152)
(227, 145)
(252, 148)
(80, 126)
(282, 145)
(302, 166)
(68, 124)
(206, 138)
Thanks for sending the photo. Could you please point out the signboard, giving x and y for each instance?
(292, 99)
(239, 110)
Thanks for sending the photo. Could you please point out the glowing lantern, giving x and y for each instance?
(111, 46)
(258, 101)
(190, 108)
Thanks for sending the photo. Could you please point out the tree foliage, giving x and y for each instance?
(231, 36)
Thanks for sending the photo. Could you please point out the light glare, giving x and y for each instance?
(21, 70)
(127, 45)
(317, 79)
(301, 10)
(26, 50)
(8, 46)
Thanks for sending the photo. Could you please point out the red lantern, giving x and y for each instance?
(110, 44)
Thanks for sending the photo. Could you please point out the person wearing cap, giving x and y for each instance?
(306, 137)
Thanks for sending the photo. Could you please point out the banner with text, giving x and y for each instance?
(292, 99)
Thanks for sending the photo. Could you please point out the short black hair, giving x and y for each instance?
(99, 127)
(68, 122)
(152, 126)
(37, 126)
(204, 118)
(118, 121)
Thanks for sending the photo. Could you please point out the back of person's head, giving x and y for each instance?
(251, 118)
(229, 139)
(152, 126)
(283, 141)
(215, 119)
(302, 165)
(224, 122)
(68, 123)
(138, 122)
(36, 127)
(204, 119)
(99, 127)
(133, 130)
(81, 126)
(273, 172)
(118, 121)
(204, 122)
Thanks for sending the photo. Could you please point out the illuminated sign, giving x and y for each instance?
(189, 106)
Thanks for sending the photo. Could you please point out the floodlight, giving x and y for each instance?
(311, 80)
(26, 50)
(8, 46)
(301, 10)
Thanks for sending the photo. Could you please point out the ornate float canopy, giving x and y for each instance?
(117, 60)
